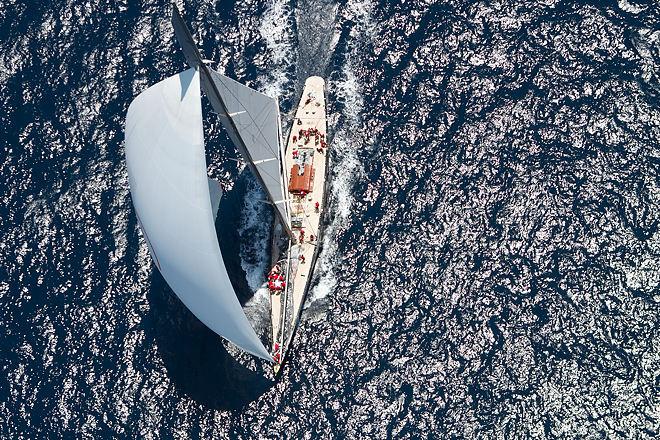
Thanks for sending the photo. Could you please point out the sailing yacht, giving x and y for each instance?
(176, 203)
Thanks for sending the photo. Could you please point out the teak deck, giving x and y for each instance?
(309, 115)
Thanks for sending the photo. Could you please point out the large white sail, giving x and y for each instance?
(170, 191)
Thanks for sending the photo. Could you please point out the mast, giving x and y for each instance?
(194, 60)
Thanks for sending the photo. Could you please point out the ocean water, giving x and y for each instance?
(491, 268)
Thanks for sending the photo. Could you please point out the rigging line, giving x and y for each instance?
(253, 121)
(266, 144)
(261, 171)
(249, 114)
(269, 175)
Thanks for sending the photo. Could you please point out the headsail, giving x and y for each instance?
(170, 191)
(251, 119)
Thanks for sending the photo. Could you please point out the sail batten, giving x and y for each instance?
(253, 122)
(251, 119)
(176, 204)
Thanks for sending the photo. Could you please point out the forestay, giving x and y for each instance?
(170, 191)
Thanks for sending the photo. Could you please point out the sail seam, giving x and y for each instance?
(253, 121)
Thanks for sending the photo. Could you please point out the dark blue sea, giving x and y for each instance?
(491, 267)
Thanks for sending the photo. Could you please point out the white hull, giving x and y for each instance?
(311, 119)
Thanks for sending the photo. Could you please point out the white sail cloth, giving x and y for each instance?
(170, 191)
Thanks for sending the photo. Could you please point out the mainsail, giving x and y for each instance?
(173, 201)
(251, 119)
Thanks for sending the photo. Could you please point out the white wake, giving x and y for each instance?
(347, 141)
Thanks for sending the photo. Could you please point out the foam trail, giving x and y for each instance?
(275, 30)
(255, 234)
(346, 166)
(318, 32)
(257, 310)
(361, 12)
